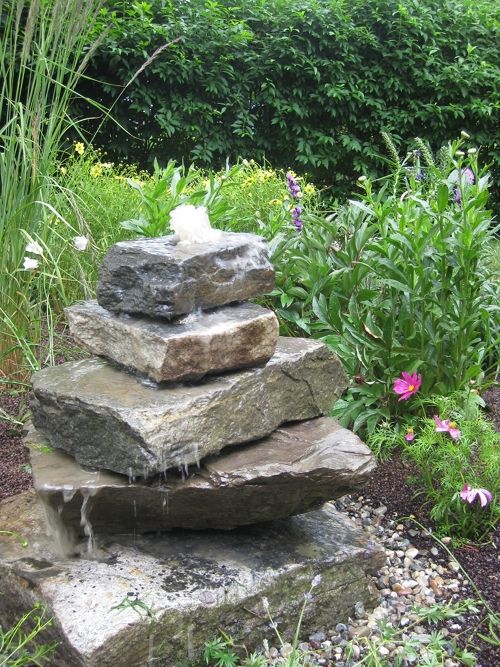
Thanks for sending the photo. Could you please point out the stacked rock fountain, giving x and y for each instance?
(195, 415)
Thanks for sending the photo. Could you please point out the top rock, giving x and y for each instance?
(161, 277)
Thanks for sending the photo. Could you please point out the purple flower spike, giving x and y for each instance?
(293, 186)
(468, 176)
(296, 213)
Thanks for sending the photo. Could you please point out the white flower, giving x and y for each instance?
(265, 604)
(34, 247)
(30, 263)
(80, 243)
(471, 151)
(191, 224)
(464, 134)
(316, 581)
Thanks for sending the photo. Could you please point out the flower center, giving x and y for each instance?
(411, 387)
(453, 425)
(409, 429)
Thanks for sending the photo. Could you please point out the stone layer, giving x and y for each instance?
(297, 468)
(109, 419)
(161, 277)
(194, 585)
(231, 337)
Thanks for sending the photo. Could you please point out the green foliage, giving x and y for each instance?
(44, 48)
(447, 464)
(395, 281)
(435, 644)
(19, 644)
(435, 613)
(314, 82)
(174, 186)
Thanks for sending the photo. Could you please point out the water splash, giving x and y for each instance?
(85, 521)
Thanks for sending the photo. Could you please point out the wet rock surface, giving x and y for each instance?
(163, 278)
(189, 585)
(297, 468)
(187, 348)
(109, 419)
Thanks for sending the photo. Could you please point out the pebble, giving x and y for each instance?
(409, 578)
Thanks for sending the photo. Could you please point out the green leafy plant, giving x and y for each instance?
(448, 463)
(452, 445)
(44, 49)
(268, 79)
(173, 186)
(17, 643)
(219, 651)
(394, 282)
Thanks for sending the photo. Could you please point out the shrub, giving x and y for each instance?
(309, 84)
(396, 282)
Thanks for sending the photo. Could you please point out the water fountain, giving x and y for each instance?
(187, 466)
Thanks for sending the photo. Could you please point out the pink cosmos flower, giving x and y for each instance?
(407, 385)
(470, 495)
(410, 435)
(447, 426)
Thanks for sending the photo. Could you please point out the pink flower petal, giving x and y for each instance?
(454, 433)
(464, 493)
(441, 426)
(482, 498)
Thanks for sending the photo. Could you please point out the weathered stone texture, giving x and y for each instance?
(194, 585)
(162, 278)
(297, 468)
(109, 419)
(231, 337)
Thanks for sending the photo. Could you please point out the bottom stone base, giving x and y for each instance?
(154, 600)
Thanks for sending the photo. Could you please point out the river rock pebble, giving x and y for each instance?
(411, 578)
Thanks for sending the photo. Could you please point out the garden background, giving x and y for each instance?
(361, 139)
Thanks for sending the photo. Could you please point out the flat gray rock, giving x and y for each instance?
(107, 418)
(297, 468)
(187, 348)
(163, 278)
(190, 586)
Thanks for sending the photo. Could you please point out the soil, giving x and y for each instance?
(390, 486)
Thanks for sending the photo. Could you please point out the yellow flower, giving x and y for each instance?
(96, 170)
(79, 148)
(309, 189)
(63, 170)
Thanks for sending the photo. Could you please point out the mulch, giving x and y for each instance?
(390, 486)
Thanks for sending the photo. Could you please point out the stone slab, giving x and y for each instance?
(107, 418)
(163, 278)
(192, 586)
(187, 348)
(297, 468)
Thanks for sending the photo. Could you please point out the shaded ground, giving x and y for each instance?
(389, 486)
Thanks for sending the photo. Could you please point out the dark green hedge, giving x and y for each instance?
(308, 84)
